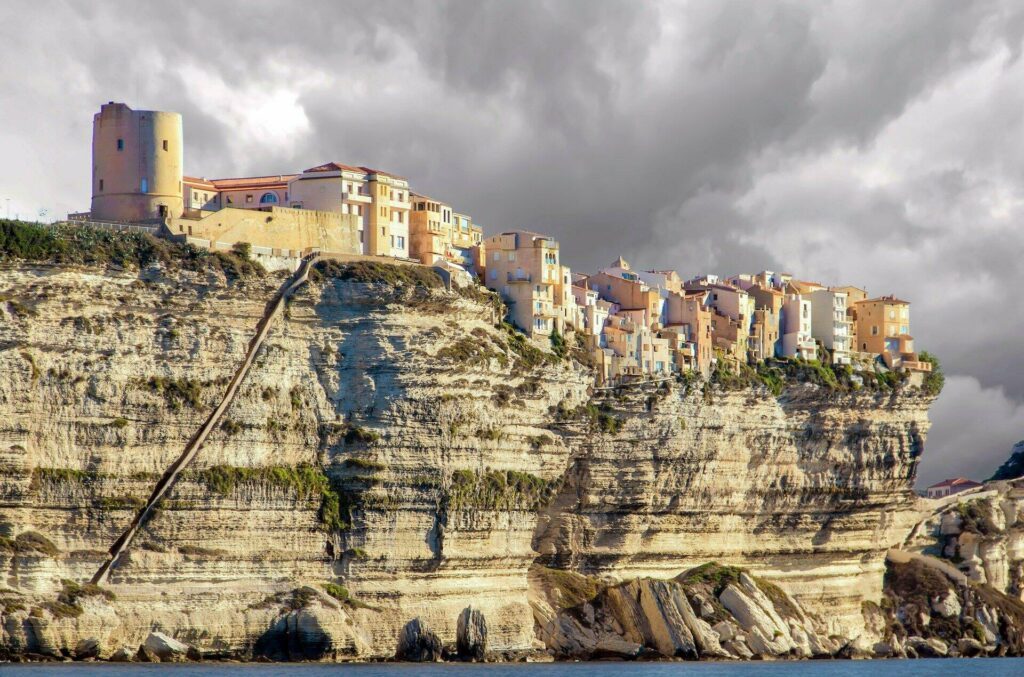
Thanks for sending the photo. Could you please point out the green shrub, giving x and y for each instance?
(338, 592)
(230, 427)
(714, 575)
(558, 345)
(85, 245)
(573, 588)
(934, 380)
(177, 391)
(376, 272)
(357, 435)
(364, 464)
(498, 490)
(119, 422)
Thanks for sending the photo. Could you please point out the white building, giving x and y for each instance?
(829, 323)
(797, 339)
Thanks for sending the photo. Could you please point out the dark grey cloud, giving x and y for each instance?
(847, 142)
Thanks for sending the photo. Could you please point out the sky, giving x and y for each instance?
(868, 143)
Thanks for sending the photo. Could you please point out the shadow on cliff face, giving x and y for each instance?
(296, 635)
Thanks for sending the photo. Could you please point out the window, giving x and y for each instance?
(892, 314)
(144, 185)
(497, 256)
(494, 274)
(230, 201)
(101, 184)
(120, 145)
(268, 199)
(248, 198)
(874, 330)
(401, 242)
(165, 144)
(511, 256)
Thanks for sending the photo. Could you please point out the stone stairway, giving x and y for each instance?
(170, 476)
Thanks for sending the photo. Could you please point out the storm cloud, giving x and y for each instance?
(865, 143)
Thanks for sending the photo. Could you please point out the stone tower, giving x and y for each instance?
(137, 158)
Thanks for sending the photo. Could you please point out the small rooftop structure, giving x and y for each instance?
(951, 486)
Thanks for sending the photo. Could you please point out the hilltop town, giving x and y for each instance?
(631, 323)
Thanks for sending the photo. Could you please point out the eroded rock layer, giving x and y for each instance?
(393, 456)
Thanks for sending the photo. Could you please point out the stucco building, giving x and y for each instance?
(524, 268)
(137, 159)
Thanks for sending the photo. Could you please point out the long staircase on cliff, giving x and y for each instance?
(170, 476)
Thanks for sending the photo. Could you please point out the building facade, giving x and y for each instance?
(137, 160)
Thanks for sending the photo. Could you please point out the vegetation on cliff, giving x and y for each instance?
(497, 490)
(776, 373)
(370, 272)
(90, 246)
(306, 482)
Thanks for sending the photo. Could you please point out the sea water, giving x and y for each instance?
(961, 667)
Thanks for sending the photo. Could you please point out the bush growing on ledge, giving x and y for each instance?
(600, 416)
(498, 490)
(558, 345)
(177, 391)
(934, 380)
(29, 542)
(86, 245)
(975, 519)
(304, 480)
(528, 356)
(374, 271)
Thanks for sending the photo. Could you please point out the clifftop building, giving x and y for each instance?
(137, 158)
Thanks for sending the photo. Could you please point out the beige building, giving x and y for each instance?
(438, 234)
(524, 268)
(880, 323)
(379, 200)
(137, 158)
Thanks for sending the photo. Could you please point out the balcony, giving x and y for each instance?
(362, 198)
(400, 204)
(519, 276)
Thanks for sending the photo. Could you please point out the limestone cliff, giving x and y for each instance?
(393, 455)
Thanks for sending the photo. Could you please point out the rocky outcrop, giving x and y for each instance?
(393, 454)
(471, 635)
(710, 612)
(418, 644)
(980, 533)
(930, 609)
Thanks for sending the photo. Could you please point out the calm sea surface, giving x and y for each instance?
(988, 667)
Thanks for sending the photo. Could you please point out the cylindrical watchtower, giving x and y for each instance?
(137, 159)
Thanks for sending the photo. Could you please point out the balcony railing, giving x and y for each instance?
(356, 197)
(519, 277)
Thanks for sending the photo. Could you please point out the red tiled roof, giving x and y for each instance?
(885, 299)
(203, 183)
(371, 170)
(954, 482)
(241, 183)
(333, 167)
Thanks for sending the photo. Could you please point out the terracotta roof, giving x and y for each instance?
(955, 482)
(193, 181)
(371, 170)
(885, 299)
(333, 167)
(276, 181)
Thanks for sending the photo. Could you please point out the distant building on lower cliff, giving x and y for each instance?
(950, 487)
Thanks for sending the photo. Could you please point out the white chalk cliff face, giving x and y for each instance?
(392, 455)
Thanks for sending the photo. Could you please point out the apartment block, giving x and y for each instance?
(524, 268)
(797, 340)
(830, 324)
